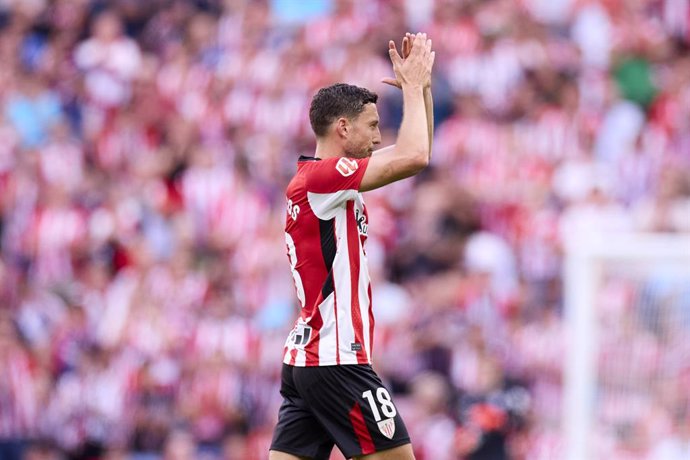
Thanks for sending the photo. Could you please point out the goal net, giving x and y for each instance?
(627, 313)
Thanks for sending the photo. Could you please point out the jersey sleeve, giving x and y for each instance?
(332, 182)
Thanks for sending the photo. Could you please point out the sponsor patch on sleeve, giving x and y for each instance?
(346, 166)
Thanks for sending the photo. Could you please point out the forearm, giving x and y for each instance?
(413, 136)
(429, 108)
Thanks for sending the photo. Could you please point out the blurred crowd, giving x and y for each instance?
(145, 293)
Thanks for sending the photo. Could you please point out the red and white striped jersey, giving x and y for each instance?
(325, 232)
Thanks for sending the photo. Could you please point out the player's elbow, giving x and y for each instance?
(409, 165)
(420, 160)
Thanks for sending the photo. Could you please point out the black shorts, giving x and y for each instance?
(347, 406)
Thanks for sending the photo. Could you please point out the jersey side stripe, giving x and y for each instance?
(328, 249)
(365, 303)
(337, 339)
(312, 348)
(336, 343)
(343, 289)
(328, 344)
(371, 324)
(353, 249)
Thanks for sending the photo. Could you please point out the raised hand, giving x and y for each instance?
(406, 48)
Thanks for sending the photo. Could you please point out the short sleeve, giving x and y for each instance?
(336, 174)
(332, 182)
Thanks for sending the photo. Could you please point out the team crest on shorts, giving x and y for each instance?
(387, 427)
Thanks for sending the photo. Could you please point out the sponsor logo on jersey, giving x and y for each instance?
(387, 427)
(361, 222)
(300, 334)
(355, 347)
(346, 166)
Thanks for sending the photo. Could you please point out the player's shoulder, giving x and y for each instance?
(334, 166)
(333, 174)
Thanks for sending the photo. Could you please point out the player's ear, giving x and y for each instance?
(342, 127)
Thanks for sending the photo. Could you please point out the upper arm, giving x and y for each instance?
(389, 165)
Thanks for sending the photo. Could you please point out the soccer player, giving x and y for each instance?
(331, 394)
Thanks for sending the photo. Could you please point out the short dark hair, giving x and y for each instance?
(335, 101)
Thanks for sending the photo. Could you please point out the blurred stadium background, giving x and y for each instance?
(145, 294)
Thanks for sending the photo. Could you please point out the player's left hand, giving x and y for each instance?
(405, 49)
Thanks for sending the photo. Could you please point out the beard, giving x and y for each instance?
(352, 151)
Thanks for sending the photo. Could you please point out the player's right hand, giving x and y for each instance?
(414, 66)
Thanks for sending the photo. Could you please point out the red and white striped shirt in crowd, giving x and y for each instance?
(18, 404)
(57, 227)
(220, 204)
(325, 232)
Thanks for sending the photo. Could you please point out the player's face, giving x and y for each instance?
(364, 133)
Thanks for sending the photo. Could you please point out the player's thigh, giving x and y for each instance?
(354, 407)
(403, 452)
(277, 455)
(298, 434)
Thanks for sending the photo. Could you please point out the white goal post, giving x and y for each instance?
(585, 260)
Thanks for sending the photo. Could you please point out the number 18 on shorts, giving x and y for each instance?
(347, 406)
(383, 401)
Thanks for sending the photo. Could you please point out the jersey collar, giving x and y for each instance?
(306, 158)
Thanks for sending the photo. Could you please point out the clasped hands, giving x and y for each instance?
(414, 67)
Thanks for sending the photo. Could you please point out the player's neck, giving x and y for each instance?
(326, 148)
